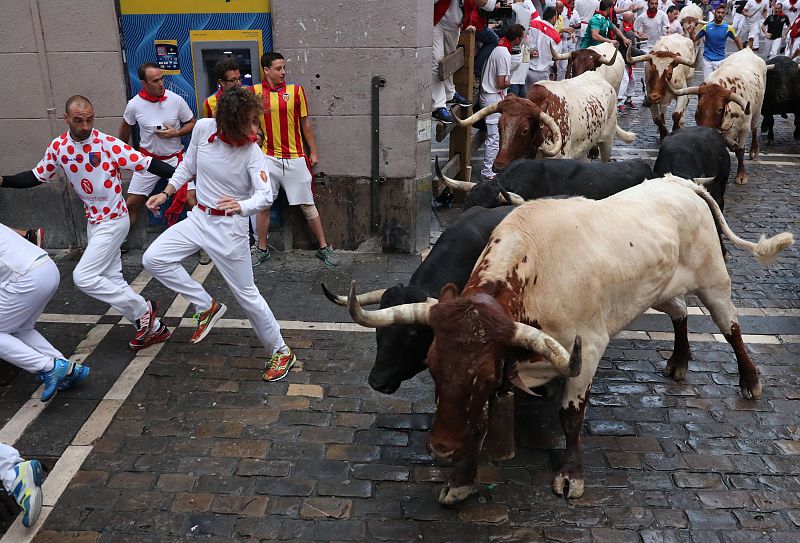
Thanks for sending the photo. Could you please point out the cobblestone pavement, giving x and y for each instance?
(185, 443)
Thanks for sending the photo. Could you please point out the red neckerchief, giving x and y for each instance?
(569, 9)
(534, 16)
(505, 43)
(275, 89)
(150, 98)
(653, 14)
(627, 27)
(252, 138)
(547, 28)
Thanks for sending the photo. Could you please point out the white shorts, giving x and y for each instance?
(294, 176)
(143, 183)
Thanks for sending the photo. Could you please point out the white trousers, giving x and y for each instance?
(9, 457)
(709, 66)
(22, 300)
(444, 43)
(772, 47)
(225, 240)
(627, 89)
(99, 272)
(490, 149)
(739, 22)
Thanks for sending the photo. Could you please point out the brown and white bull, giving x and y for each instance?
(604, 58)
(570, 272)
(559, 119)
(671, 62)
(730, 101)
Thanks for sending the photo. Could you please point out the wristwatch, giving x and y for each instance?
(165, 194)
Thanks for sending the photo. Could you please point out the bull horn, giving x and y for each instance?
(690, 63)
(555, 148)
(610, 61)
(475, 117)
(452, 183)
(703, 180)
(559, 56)
(508, 197)
(682, 92)
(744, 104)
(367, 298)
(769, 66)
(533, 339)
(416, 313)
(636, 59)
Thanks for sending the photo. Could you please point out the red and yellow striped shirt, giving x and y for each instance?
(284, 106)
(210, 105)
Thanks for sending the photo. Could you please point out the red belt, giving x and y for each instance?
(179, 154)
(212, 211)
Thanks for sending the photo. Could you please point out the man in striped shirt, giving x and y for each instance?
(286, 127)
(228, 76)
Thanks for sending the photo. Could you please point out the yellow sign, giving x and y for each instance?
(167, 56)
(145, 7)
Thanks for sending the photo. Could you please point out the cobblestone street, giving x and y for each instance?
(183, 442)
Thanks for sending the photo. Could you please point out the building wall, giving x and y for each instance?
(52, 49)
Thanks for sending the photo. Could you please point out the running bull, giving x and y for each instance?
(604, 58)
(782, 95)
(559, 119)
(573, 273)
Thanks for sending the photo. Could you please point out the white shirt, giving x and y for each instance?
(224, 170)
(674, 27)
(637, 6)
(451, 20)
(539, 41)
(522, 14)
(652, 28)
(586, 8)
(148, 115)
(93, 167)
(17, 254)
(791, 11)
(758, 10)
(498, 64)
(663, 5)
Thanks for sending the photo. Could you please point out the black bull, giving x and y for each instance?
(532, 179)
(782, 95)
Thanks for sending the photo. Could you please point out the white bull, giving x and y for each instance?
(603, 58)
(573, 272)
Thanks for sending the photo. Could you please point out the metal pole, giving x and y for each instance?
(377, 83)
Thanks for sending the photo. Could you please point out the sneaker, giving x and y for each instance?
(621, 109)
(35, 236)
(460, 99)
(161, 333)
(144, 326)
(629, 103)
(27, 490)
(203, 257)
(258, 256)
(64, 375)
(206, 320)
(279, 366)
(326, 255)
(442, 115)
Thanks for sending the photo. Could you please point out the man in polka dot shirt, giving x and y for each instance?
(91, 161)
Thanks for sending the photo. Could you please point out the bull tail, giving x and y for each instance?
(766, 250)
(627, 137)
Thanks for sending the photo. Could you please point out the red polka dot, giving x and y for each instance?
(64, 159)
(87, 148)
(113, 173)
(134, 157)
(124, 209)
(116, 149)
(56, 145)
(40, 169)
(50, 167)
(106, 166)
(122, 161)
(96, 140)
(117, 189)
(119, 204)
(70, 149)
(127, 147)
(139, 167)
(108, 183)
(106, 210)
(73, 168)
(88, 167)
(113, 216)
(94, 209)
(79, 159)
(109, 138)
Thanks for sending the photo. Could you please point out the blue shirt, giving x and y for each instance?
(716, 36)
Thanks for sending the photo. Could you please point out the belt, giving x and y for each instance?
(212, 211)
(145, 152)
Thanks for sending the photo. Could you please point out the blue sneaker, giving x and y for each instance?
(27, 490)
(64, 375)
(443, 115)
(460, 99)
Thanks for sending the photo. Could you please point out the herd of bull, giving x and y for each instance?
(525, 287)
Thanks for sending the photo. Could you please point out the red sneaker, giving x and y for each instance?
(206, 320)
(160, 334)
(279, 366)
(144, 326)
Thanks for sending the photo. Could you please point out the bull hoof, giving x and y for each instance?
(569, 483)
(676, 369)
(454, 495)
(750, 391)
(741, 179)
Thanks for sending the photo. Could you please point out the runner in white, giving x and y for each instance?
(232, 183)
(159, 113)
(92, 163)
(23, 480)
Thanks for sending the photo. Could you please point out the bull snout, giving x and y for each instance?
(655, 97)
(383, 385)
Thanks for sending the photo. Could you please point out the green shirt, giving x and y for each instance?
(602, 24)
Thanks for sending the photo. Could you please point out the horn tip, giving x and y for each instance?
(575, 359)
(330, 295)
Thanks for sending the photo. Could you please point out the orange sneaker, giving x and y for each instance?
(279, 366)
(206, 320)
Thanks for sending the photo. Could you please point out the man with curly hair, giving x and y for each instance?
(232, 183)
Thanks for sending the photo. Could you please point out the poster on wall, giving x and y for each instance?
(167, 56)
